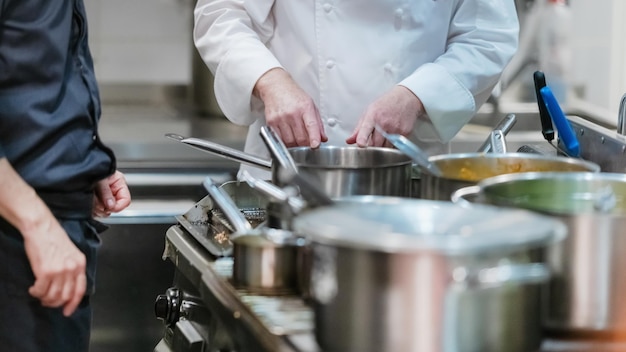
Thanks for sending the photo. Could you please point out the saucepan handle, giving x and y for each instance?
(460, 195)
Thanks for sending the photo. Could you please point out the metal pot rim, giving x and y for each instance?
(559, 178)
(362, 222)
(401, 158)
(592, 167)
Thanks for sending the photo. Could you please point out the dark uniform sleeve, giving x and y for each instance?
(2, 155)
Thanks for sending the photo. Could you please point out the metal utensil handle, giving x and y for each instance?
(277, 149)
(274, 192)
(310, 191)
(498, 143)
(221, 150)
(410, 149)
(458, 196)
(505, 125)
(229, 208)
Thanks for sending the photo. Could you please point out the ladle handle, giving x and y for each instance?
(228, 207)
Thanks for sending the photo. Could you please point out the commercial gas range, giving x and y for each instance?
(203, 312)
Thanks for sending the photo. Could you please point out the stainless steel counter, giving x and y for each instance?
(136, 133)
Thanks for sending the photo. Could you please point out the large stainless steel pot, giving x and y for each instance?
(340, 170)
(466, 169)
(586, 294)
(400, 274)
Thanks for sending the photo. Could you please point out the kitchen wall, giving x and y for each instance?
(149, 42)
(141, 41)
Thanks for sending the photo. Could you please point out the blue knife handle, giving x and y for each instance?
(566, 133)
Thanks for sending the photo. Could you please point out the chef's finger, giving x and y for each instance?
(287, 135)
(376, 139)
(365, 132)
(300, 133)
(80, 287)
(315, 129)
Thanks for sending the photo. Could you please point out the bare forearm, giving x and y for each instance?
(19, 203)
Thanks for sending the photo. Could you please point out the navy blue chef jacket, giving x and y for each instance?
(49, 111)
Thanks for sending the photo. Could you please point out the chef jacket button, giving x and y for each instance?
(332, 121)
(94, 137)
(330, 64)
(388, 68)
(327, 7)
(399, 12)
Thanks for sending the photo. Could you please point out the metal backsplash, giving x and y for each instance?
(600, 145)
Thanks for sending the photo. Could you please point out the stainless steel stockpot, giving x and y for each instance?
(586, 294)
(340, 170)
(467, 169)
(401, 274)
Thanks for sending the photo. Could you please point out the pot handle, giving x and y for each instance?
(222, 150)
(532, 273)
(458, 196)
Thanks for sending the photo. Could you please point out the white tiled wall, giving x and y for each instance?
(141, 41)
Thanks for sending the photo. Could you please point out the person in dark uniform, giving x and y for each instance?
(55, 176)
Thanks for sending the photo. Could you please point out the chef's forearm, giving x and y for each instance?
(19, 203)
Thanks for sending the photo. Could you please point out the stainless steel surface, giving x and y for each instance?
(240, 321)
(505, 126)
(221, 150)
(409, 148)
(462, 170)
(621, 117)
(280, 154)
(600, 145)
(393, 275)
(340, 171)
(265, 259)
(347, 171)
(229, 208)
(498, 143)
(253, 322)
(198, 219)
(589, 283)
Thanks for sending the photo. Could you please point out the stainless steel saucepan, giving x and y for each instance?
(466, 169)
(586, 293)
(340, 170)
(265, 260)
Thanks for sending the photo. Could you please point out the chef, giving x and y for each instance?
(329, 71)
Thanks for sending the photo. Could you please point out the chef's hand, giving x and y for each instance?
(111, 195)
(58, 266)
(395, 112)
(289, 111)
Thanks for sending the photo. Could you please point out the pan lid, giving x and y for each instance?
(390, 224)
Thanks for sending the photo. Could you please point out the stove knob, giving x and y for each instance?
(167, 306)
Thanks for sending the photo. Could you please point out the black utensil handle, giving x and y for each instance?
(546, 122)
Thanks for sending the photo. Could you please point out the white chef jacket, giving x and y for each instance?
(347, 53)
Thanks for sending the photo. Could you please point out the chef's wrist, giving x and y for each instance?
(269, 80)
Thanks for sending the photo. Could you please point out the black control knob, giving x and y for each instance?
(167, 306)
